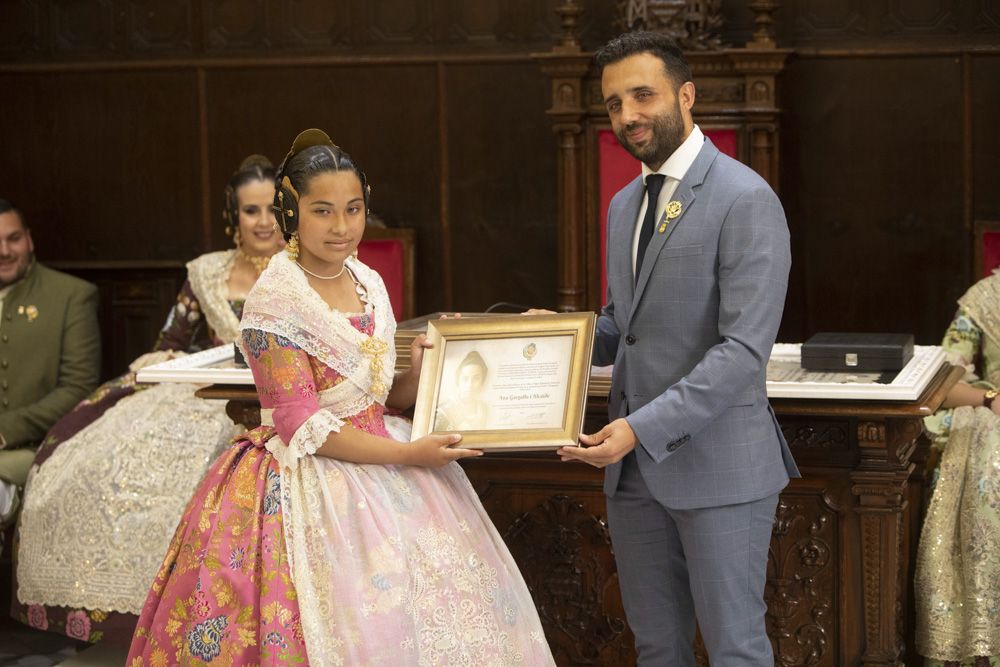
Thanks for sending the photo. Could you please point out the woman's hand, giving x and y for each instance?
(434, 451)
(539, 311)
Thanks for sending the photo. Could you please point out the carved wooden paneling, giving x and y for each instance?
(473, 22)
(234, 24)
(803, 575)
(818, 18)
(988, 16)
(302, 25)
(83, 26)
(574, 584)
(159, 26)
(886, 23)
(399, 21)
(22, 26)
(918, 17)
(820, 441)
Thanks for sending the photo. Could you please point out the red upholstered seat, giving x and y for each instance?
(987, 251)
(391, 252)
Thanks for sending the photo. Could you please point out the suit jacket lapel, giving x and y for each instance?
(625, 230)
(685, 194)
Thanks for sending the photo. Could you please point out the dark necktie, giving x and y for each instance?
(654, 183)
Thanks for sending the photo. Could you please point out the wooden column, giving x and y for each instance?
(760, 71)
(566, 66)
(880, 485)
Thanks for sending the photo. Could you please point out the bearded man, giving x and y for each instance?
(697, 265)
(50, 352)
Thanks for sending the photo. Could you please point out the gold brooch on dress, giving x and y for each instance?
(375, 348)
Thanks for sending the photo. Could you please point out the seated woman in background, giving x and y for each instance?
(111, 479)
(324, 536)
(957, 581)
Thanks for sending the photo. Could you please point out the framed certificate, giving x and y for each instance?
(506, 383)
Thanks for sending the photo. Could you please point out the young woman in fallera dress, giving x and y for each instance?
(323, 536)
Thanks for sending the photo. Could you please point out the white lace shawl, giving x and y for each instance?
(209, 278)
(283, 303)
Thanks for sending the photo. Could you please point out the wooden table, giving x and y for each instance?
(840, 569)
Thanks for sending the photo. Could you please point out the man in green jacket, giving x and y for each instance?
(49, 351)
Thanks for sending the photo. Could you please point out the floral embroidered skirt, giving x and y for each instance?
(224, 594)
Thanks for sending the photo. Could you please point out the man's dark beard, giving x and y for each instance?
(668, 135)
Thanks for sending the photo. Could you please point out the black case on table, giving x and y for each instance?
(849, 352)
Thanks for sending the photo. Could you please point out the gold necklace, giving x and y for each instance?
(258, 262)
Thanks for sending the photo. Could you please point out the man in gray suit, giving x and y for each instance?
(698, 260)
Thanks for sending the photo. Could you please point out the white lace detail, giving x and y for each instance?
(99, 514)
(283, 303)
(307, 439)
(209, 278)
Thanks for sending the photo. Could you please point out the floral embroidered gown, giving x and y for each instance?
(112, 477)
(957, 581)
(389, 565)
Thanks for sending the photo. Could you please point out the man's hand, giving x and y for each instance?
(417, 347)
(607, 446)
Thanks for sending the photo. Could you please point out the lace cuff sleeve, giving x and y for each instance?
(307, 439)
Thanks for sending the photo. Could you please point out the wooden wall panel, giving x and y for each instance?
(392, 133)
(104, 164)
(985, 100)
(129, 115)
(502, 196)
(872, 184)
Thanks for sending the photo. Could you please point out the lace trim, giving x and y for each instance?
(209, 277)
(283, 303)
(99, 515)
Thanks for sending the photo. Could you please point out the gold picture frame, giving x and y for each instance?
(506, 383)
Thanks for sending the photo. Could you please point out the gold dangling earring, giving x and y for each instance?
(292, 247)
(238, 239)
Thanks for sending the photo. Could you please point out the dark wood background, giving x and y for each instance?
(122, 119)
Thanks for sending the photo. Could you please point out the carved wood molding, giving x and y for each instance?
(574, 581)
(801, 590)
(880, 486)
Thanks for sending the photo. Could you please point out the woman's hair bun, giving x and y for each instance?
(255, 161)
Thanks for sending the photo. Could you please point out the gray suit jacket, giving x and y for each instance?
(691, 338)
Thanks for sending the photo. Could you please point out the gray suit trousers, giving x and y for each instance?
(675, 565)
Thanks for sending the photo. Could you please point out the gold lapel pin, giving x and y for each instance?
(673, 209)
(31, 312)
